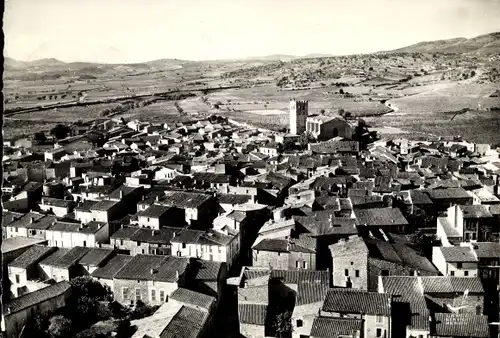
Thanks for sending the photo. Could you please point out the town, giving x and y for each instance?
(213, 227)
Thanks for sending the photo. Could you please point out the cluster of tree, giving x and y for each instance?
(60, 131)
(217, 119)
(90, 302)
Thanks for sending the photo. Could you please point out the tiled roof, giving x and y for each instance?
(254, 314)
(104, 205)
(114, 265)
(301, 276)
(321, 224)
(70, 258)
(88, 228)
(96, 256)
(56, 202)
(475, 211)
(437, 194)
(205, 270)
(183, 199)
(187, 323)
(461, 325)
(124, 233)
(308, 293)
(448, 284)
(233, 199)
(15, 243)
(31, 256)
(192, 298)
(31, 299)
(380, 217)
(458, 254)
(154, 268)
(487, 249)
(154, 211)
(371, 303)
(324, 327)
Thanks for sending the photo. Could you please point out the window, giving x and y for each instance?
(16, 229)
(153, 295)
(84, 243)
(466, 273)
(142, 251)
(304, 265)
(137, 294)
(138, 243)
(459, 265)
(385, 273)
(380, 332)
(279, 253)
(178, 253)
(162, 296)
(183, 245)
(121, 241)
(380, 319)
(148, 219)
(452, 273)
(346, 272)
(18, 280)
(420, 336)
(357, 273)
(299, 323)
(125, 293)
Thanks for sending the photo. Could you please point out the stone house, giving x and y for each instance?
(19, 311)
(106, 272)
(135, 240)
(59, 207)
(308, 302)
(69, 235)
(157, 216)
(151, 279)
(357, 262)
(374, 309)
(459, 261)
(63, 264)
(285, 254)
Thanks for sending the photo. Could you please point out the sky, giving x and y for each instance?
(127, 31)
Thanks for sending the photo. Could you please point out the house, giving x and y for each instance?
(455, 261)
(458, 325)
(83, 211)
(136, 240)
(327, 127)
(106, 272)
(336, 327)
(212, 245)
(106, 210)
(372, 308)
(229, 201)
(285, 253)
(357, 262)
(443, 198)
(59, 207)
(63, 264)
(308, 302)
(198, 208)
(467, 223)
(96, 258)
(19, 311)
(24, 270)
(157, 216)
(31, 224)
(253, 320)
(149, 278)
(14, 247)
(388, 219)
(68, 235)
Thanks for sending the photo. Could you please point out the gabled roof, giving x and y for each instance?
(187, 323)
(461, 325)
(114, 265)
(254, 314)
(36, 297)
(324, 327)
(154, 268)
(15, 243)
(32, 256)
(458, 254)
(96, 256)
(357, 302)
(193, 298)
(380, 217)
(65, 259)
(449, 284)
(308, 293)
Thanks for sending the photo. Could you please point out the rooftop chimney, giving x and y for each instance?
(121, 194)
(157, 198)
(32, 219)
(153, 271)
(177, 274)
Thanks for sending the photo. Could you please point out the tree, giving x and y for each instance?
(341, 91)
(60, 131)
(305, 138)
(283, 324)
(59, 326)
(40, 137)
(322, 111)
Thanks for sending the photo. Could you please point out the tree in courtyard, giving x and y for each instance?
(59, 326)
(40, 137)
(60, 131)
(283, 324)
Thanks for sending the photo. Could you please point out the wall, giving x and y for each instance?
(439, 261)
(301, 257)
(152, 222)
(13, 323)
(306, 313)
(278, 260)
(58, 211)
(356, 261)
(252, 331)
(453, 270)
(83, 216)
(17, 232)
(23, 279)
(145, 290)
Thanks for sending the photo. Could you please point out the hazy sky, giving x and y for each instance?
(142, 30)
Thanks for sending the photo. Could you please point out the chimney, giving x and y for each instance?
(121, 194)
(81, 226)
(157, 198)
(176, 274)
(173, 234)
(152, 232)
(32, 219)
(153, 271)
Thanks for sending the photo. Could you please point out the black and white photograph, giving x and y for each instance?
(251, 169)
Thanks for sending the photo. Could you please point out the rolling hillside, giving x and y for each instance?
(483, 44)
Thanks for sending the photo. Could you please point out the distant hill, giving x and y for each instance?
(483, 44)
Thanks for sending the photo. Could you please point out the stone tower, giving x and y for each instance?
(298, 116)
